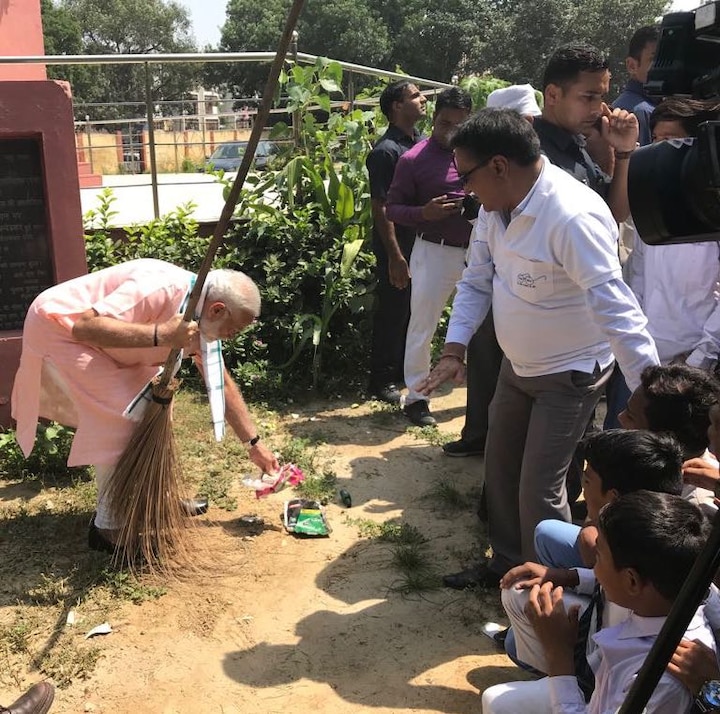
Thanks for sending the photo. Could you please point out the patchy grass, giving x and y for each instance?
(321, 488)
(384, 414)
(216, 487)
(303, 452)
(432, 435)
(416, 582)
(388, 531)
(445, 494)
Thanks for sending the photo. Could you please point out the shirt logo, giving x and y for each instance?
(525, 280)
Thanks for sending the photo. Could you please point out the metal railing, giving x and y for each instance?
(150, 117)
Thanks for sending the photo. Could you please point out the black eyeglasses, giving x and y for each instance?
(465, 178)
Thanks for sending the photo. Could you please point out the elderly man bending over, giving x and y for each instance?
(91, 344)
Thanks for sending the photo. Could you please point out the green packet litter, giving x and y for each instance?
(305, 517)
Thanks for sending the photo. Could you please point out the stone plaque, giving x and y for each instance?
(26, 267)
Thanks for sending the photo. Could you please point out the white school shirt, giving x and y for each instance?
(553, 278)
(621, 651)
(678, 288)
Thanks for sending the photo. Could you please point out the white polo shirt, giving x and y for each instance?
(555, 283)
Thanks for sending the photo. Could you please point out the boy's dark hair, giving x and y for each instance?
(656, 534)
(641, 38)
(493, 132)
(678, 403)
(453, 98)
(635, 460)
(566, 63)
(689, 112)
(392, 93)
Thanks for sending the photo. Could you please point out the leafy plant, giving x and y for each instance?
(48, 458)
(431, 434)
(319, 488)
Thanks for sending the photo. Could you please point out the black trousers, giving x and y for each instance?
(390, 320)
(484, 358)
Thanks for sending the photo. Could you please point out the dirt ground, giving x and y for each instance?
(287, 624)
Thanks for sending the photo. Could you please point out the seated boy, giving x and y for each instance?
(647, 544)
(617, 462)
(676, 399)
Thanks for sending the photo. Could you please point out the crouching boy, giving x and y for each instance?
(647, 543)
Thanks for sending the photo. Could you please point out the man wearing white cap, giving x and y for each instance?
(520, 97)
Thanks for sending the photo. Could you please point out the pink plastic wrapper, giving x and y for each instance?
(288, 475)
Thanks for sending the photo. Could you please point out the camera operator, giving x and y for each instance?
(677, 285)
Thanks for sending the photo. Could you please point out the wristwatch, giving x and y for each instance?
(708, 698)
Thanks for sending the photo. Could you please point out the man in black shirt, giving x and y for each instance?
(403, 105)
(575, 83)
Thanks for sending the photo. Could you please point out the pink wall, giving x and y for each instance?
(21, 34)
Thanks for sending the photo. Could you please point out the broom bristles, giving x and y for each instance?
(145, 491)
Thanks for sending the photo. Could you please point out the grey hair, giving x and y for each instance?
(234, 289)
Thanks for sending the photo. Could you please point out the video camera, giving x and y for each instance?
(674, 186)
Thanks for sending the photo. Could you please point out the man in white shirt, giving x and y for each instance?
(544, 254)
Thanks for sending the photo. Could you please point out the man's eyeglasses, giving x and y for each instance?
(465, 178)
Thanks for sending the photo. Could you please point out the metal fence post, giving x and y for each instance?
(89, 140)
(151, 140)
(296, 113)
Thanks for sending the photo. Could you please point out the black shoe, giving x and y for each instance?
(419, 413)
(500, 637)
(464, 448)
(97, 541)
(194, 506)
(385, 392)
(479, 576)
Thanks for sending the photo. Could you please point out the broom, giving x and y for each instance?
(145, 488)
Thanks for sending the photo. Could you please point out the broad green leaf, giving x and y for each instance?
(349, 254)
(323, 101)
(330, 85)
(345, 205)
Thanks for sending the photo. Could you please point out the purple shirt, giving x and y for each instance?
(424, 172)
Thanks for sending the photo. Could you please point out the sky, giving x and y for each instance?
(208, 16)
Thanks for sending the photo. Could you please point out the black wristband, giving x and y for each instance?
(253, 441)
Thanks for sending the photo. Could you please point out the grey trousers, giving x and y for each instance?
(535, 426)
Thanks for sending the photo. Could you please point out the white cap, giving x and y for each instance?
(520, 97)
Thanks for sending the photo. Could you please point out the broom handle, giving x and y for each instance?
(232, 199)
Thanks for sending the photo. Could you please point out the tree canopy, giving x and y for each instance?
(511, 39)
(119, 26)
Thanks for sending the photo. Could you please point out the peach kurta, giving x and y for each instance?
(100, 382)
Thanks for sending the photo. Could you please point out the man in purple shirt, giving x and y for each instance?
(427, 194)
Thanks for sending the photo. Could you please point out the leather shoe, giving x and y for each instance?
(419, 413)
(97, 541)
(37, 700)
(386, 392)
(479, 576)
(194, 506)
(461, 448)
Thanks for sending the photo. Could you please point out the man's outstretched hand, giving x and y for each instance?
(449, 368)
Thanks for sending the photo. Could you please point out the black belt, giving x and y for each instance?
(439, 240)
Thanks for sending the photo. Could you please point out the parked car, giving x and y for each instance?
(229, 155)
